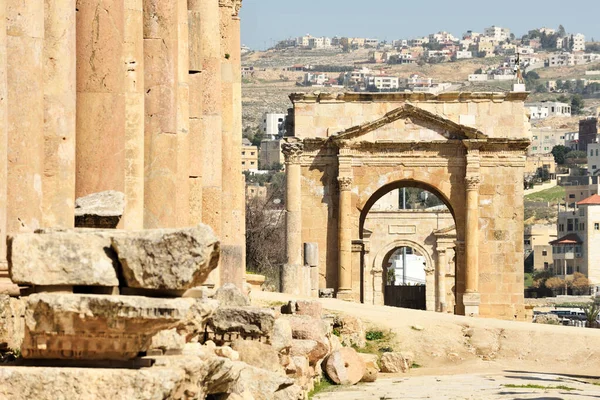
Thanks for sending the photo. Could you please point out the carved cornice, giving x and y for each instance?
(408, 96)
(292, 151)
(235, 5)
(345, 183)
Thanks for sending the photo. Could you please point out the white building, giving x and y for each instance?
(273, 125)
(548, 109)
(578, 42)
(497, 33)
(383, 82)
(563, 59)
(357, 76)
(318, 78)
(415, 269)
(463, 54)
(593, 158)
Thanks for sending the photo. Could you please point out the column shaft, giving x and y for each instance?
(345, 236)
(472, 241)
(133, 53)
(290, 274)
(183, 116)
(162, 141)
(100, 141)
(3, 139)
(441, 280)
(59, 56)
(25, 100)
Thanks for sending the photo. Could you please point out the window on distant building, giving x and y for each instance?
(527, 242)
(571, 196)
(569, 225)
(546, 265)
(569, 270)
(593, 167)
(534, 148)
(596, 226)
(544, 252)
(243, 153)
(561, 227)
(582, 226)
(591, 153)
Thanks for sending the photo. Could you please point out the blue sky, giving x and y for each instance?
(266, 21)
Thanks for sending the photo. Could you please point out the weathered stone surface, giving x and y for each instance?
(310, 349)
(345, 367)
(230, 295)
(550, 319)
(371, 367)
(351, 331)
(394, 362)
(62, 258)
(12, 311)
(302, 372)
(281, 340)
(259, 355)
(266, 385)
(194, 325)
(167, 259)
(230, 323)
(227, 352)
(22, 383)
(100, 210)
(78, 326)
(168, 341)
(303, 307)
(305, 327)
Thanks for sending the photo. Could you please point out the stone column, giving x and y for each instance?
(3, 143)
(162, 141)
(133, 54)
(290, 273)
(25, 100)
(442, 264)
(345, 238)
(471, 298)
(183, 116)
(311, 260)
(100, 141)
(59, 55)
(231, 251)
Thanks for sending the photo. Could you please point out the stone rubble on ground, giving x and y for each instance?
(394, 362)
(345, 367)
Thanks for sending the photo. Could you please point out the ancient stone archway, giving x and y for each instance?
(470, 148)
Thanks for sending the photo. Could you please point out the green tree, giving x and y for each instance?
(576, 154)
(559, 152)
(577, 104)
(562, 32)
(591, 314)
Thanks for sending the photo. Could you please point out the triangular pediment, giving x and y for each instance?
(409, 123)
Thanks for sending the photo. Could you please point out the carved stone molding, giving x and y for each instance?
(345, 183)
(473, 182)
(236, 5)
(292, 152)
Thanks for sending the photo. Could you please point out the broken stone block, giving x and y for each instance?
(281, 340)
(100, 210)
(168, 342)
(394, 362)
(258, 355)
(311, 349)
(229, 295)
(303, 307)
(95, 327)
(230, 323)
(167, 259)
(62, 258)
(345, 367)
(371, 367)
(12, 312)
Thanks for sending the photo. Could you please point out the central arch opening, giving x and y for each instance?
(404, 223)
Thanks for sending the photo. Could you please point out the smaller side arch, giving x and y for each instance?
(378, 260)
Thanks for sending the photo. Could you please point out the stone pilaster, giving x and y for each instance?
(471, 298)
(290, 273)
(25, 101)
(442, 263)
(183, 116)
(162, 122)
(345, 238)
(59, 55)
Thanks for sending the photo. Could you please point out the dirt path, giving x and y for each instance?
(457, 345)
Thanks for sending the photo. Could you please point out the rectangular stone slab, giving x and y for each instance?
(96, 327)
(62, 258)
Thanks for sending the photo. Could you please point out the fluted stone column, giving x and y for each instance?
(442, 263)
(59, 113)
(345, 238)
(290, 273)
(3, 142)
(25, 100)
(471, 298)
(162, 141)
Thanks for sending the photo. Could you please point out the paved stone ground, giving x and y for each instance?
(471, 386)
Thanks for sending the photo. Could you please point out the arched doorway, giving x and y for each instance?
(400, 228)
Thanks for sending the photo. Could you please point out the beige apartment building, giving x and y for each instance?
(544, 139)
(578, 246)
(537, 240)
(537, 161)
(249, 158)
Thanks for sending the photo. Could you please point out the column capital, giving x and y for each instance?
(345, 183)
(292, 152)
(472, 182)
